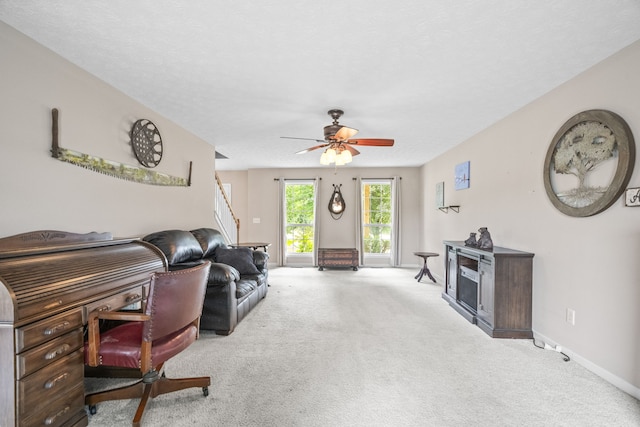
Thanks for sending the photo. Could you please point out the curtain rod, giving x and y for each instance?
(320, 178)
(298, 179)
(375, 178)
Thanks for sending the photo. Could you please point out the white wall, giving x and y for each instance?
(39, 192)
(586, 264)
(262, 203)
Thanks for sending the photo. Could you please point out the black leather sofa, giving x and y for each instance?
(237, 279)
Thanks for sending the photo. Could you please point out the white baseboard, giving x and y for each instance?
(599, 371)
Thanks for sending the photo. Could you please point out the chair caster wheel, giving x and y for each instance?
(93, 409)
(205, 391)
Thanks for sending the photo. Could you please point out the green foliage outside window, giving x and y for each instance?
(376, 214)
(299, 211)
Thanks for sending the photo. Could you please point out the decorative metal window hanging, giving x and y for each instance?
(336, 203)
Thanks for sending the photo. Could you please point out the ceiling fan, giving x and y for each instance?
(339, 143)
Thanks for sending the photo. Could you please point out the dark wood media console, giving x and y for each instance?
(492, 289)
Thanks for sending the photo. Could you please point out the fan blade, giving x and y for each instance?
(352, 150)
(312, 148)
(345, 133)
(304, 139)
(371, 142)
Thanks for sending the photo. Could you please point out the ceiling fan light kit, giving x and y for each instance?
(338, 143)
(340, 156)
(328, 157)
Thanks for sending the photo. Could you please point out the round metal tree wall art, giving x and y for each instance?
(589, 163)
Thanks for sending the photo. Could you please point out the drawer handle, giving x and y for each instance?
(53, 305)
(55, 380)
(104, 308)
(57, 328)
(133, 297)
(52, 419)
(57, 352)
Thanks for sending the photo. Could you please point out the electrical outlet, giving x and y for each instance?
(571, 316)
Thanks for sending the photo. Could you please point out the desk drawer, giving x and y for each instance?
(57, 412)
(38, 332)
(115, 302)
(36, 358)
(50, 382)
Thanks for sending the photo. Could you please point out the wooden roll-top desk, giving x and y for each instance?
(50, 281)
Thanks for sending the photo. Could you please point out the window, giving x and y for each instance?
(377, 216)
(299, 205)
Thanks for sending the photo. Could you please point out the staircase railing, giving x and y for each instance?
(227, 220)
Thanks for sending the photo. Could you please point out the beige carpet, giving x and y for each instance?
(372, 348)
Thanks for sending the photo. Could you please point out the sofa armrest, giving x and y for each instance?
(220, 310)
(222, 274)
(219, 274)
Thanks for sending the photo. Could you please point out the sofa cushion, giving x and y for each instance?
(222, 274)
(209, 240)
(177, 245)
(245, 287)
(239, 258)
(260, 279)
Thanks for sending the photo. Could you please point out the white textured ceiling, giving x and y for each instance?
(241, 74)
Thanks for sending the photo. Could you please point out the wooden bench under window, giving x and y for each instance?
(338, 257)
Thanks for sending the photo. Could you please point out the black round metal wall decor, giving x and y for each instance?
(336, 203)
(146, 143)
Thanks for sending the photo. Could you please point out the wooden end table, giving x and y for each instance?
(252, 245)
(425, 270)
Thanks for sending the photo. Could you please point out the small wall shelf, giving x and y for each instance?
(455, 208)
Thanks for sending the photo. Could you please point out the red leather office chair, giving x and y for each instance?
(145, 341)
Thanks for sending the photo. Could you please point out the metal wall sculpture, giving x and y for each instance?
(336, 203)
(112, 168)
(589, 163)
